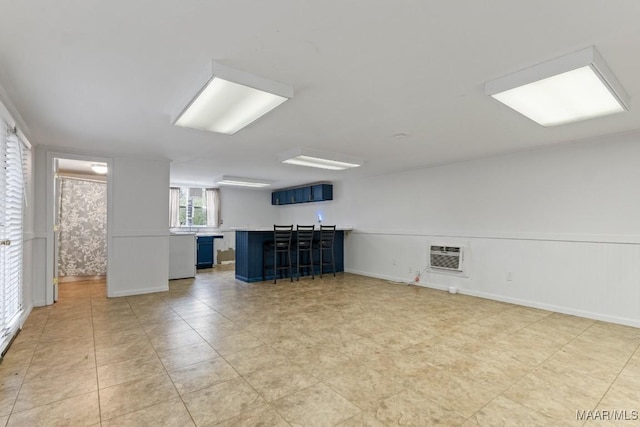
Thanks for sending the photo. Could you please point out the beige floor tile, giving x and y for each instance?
(82, 410)
(168, 327)
(18, 357)
(556, 399)
(134, 349)
(230, 344)
(413, 409)
(320, 361)
(11, 376)
(61, 363)
(504, 412)
(317, 405)
(333, 335)
(451, 391)
(222, 402)
(8, 397)
(211, 333)
(361, 348)
(581, 369)
(134, 395)
(164, 342)
(170, 414)
(128, 370)
(278, 381)
(261, 357)
(183, 356)
(364, 386)
(114, 338)
(201, 375)
(622, 395)
(35, 393)
(460, 356)
(361, 420)
(112, 323)
(262, 416)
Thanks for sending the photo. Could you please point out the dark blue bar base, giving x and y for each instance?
(249, 246)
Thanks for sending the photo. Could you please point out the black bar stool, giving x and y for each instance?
(305, 245)
(327, 237)
(281, 248)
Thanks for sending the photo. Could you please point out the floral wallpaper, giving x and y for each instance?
(83, 228)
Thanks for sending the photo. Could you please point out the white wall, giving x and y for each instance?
(140, 236)
(138, 224)
(565, 221)
(244, 208)
(247, 208)
(29, 235)
(337, 211)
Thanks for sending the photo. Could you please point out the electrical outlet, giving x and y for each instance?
(393, 261)
(410, 270)
(509, 276)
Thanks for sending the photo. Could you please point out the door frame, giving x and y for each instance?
(51, 215)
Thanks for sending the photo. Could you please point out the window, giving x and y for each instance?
(12, 192)
(193, 207)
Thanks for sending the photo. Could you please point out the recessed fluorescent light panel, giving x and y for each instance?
(242, 182)
(99, 168)
(575, 87)
(230, 100)
(319, 159)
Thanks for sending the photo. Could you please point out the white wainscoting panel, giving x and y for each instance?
(139, 265)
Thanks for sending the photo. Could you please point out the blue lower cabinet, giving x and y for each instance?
(204, 252)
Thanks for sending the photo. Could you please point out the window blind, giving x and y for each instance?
(12, 191)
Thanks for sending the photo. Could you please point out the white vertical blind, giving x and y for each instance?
(12, 189)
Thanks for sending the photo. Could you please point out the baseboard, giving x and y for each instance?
(377, 276)
(25, 314)
(132, 292)
(39, 303)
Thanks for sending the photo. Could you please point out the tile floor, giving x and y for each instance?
(344, 351)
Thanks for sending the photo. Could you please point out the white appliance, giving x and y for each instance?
(182, 255)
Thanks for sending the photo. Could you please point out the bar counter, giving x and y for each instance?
(249, 260)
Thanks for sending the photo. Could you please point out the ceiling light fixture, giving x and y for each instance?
(242, 182)
(230, 100)
(99, 168)
(319, 159)
(568, 89)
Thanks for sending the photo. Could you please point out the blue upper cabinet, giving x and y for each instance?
(321, 192)
(304, 194)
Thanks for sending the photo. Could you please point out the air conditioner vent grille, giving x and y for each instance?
(446, 257)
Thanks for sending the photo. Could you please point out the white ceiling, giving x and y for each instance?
(81, 167)
(105, 76)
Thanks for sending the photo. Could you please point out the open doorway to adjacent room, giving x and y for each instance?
(79, 228)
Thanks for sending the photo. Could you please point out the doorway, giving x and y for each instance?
(80, 251)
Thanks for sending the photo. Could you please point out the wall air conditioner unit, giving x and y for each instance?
(446, 257)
